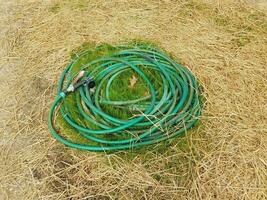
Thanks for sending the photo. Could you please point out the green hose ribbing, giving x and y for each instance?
(162, 114)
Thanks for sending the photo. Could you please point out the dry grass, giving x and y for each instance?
(222, 42)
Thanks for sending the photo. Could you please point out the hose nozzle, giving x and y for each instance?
(78, 82)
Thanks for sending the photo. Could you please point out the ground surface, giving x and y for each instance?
(222, 42)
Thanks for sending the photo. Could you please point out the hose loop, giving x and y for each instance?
(168, 108)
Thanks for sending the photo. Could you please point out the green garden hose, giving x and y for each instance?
(162, 113)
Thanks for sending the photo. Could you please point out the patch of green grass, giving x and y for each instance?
(147, 152)
(120, 89)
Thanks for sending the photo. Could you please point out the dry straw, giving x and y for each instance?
(222, 42)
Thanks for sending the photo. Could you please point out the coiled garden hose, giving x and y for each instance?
(162, 113)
